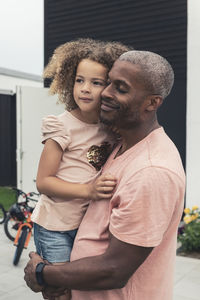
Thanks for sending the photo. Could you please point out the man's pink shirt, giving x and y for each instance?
(145, 210)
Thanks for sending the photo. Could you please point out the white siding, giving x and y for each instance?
(10, 82)
(32, 105)
(193, 105)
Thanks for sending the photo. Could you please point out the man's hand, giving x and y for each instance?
(29, 271)
(30, 278)
(102, 187)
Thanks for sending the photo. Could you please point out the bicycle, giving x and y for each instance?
(15, 216)
(24, 232)
(20, 216)
(2, 214)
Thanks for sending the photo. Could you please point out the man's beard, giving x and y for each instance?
(106, 121)
(123, 120)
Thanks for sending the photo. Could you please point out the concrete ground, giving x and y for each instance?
(13, 287)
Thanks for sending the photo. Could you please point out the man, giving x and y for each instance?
(125, 248)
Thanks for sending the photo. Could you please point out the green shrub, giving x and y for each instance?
(7, 197)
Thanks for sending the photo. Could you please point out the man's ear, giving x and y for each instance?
(154, 102)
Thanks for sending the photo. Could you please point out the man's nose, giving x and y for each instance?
(106, 94)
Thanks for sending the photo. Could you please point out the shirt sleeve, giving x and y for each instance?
(144, 207)
(53, 128)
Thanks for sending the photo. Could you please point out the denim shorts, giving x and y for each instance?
(54, 246)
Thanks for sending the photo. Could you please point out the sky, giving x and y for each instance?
(22, 35)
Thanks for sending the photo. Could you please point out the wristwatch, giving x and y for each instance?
(38, 273)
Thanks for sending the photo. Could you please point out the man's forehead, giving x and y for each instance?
(124, 71)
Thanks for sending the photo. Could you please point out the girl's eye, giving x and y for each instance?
(98, 83)
(79, 80)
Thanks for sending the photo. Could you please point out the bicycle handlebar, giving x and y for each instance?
(19, 192)
(31, 199)
(28, 196)
(32, 194)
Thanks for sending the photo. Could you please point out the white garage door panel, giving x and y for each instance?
(32, 105)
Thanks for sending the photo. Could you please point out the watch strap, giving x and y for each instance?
(39, 273)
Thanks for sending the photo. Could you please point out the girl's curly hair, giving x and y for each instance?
(63, 64)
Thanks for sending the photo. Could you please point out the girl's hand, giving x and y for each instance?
(102, 187)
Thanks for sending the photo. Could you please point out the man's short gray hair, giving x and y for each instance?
(157, 73)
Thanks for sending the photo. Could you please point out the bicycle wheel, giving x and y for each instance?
(2, 214)
(10, 227)
(20, 245)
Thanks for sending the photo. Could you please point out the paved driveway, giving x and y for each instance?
(13, 287)
(12, 284)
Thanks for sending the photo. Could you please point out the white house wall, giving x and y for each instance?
(193, 105)
(10, 82)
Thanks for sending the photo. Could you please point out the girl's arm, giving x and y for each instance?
(50, 185)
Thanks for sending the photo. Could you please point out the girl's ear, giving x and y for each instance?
(154, 102)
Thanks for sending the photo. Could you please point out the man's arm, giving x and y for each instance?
(110, 270)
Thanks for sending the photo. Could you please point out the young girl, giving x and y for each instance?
(76, 145)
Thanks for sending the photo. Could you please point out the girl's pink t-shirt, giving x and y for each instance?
(145, 210)
(85, 148)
